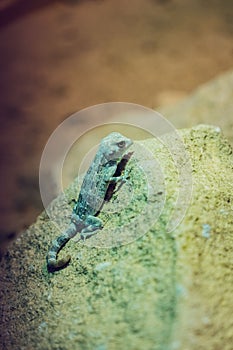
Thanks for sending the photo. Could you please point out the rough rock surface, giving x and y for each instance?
(211, 103)
(163, 290)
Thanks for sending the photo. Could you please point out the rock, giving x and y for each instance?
(151, 289)
(211, 103)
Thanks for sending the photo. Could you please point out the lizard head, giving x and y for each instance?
(114, 146)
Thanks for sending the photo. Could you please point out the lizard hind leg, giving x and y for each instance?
(93, 224)
(52, 263)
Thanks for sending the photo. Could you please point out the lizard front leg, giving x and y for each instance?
(118, 181)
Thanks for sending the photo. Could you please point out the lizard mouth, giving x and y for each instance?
(120, 153)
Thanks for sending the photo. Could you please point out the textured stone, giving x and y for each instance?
(211, 103)
(164, 289)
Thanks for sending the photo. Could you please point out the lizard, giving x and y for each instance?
(91, 197)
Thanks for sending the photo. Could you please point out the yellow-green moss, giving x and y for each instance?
(163, 289)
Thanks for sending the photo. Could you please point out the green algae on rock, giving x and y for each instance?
(163, 290)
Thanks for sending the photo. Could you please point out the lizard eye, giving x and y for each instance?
(121, 144)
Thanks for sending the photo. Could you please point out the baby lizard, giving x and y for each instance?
(91, 197)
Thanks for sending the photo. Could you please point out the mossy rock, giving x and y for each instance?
(150, 288)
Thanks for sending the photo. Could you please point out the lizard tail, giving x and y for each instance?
(52, 263)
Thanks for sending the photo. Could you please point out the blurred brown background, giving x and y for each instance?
(57, 57)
